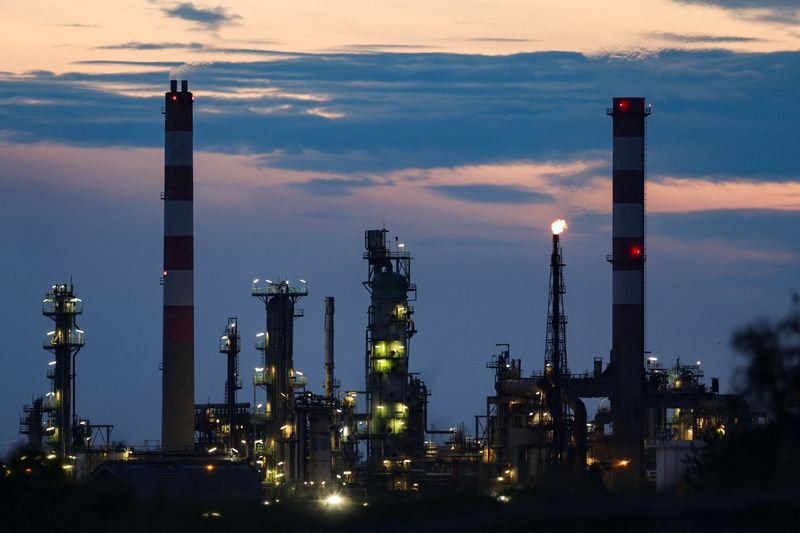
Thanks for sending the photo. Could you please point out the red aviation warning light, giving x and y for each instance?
(624, 105)
(635, 252)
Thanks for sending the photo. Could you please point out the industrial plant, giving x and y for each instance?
(376, 440)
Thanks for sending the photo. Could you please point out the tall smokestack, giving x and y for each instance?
(329, 347)
(628, 341)
(177, 410)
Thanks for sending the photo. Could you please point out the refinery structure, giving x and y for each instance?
(535, 429)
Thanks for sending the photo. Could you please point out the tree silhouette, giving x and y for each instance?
(773, 369)
(760, 455)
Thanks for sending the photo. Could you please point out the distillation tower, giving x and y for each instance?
(229, 345)
(396, 399)
(280, 378)
(65, 341)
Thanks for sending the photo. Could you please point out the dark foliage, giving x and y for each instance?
(760, 456)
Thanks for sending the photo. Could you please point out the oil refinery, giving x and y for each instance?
(376, 439)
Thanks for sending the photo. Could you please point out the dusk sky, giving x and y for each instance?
(464, 128)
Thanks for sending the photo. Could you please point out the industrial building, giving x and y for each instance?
(536, 429)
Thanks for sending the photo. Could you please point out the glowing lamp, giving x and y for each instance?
(624, 105)
(636, 252)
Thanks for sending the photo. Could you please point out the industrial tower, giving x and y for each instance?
(65, 341)
(628, 262)
(280, 377)
(177, 409)
(556, 370)
(396, 399)
(229, 345)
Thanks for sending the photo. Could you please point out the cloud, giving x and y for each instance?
(777, 11)
(485, 193)
(744, 4)
(135, 45)
(499, 40)
(336, 186)
(207, 17)
(716, 114)
(379, 47)
(690, 38)
(120, 62)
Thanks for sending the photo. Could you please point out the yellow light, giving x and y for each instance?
(623, 463)
(209, 468)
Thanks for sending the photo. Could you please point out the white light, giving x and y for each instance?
(698, 363)
(234, 450)
(260, 334)
(255, 281)
(401, 245)
(51, 363)
(558, 226)
(334, 500)
(212, 450)
(268, 280)
(302, 281)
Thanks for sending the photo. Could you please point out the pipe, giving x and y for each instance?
(579, 417)
(329, 382)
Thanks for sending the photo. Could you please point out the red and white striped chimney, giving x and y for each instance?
(628, 341)
(177, 419)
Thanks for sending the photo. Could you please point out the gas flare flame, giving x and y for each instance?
(558, 226)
